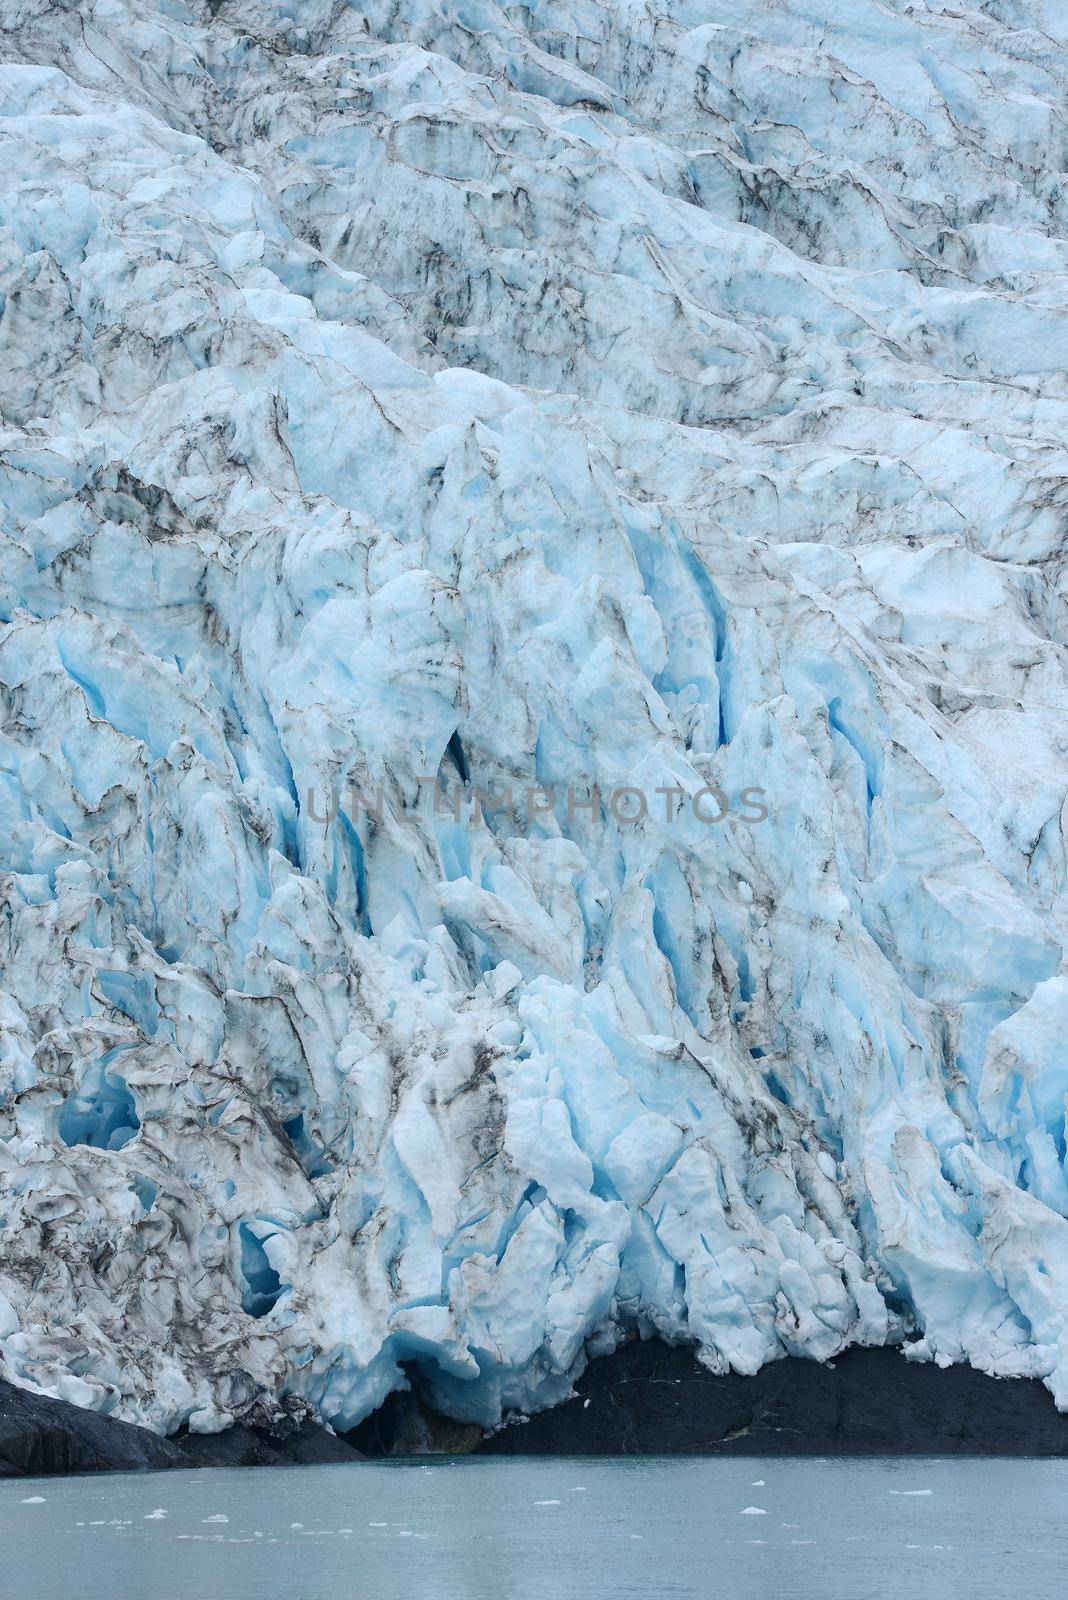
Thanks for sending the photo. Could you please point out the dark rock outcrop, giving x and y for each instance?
(404, 1426)
(304, 1443)
(649, 1399)
(39, 1435)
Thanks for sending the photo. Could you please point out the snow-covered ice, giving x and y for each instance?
(563, 398)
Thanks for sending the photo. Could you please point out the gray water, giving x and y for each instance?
(545, 1529)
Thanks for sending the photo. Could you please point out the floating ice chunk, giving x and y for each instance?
(913, 1492)
(155, 1516)
(753, 1511)
(34, 1500)
(220, 1516)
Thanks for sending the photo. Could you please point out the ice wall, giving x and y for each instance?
(560, 397)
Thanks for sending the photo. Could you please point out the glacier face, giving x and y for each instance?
(562, 397)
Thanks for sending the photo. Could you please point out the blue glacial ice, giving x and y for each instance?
(562, 396)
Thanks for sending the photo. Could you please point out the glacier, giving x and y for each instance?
(421, 423)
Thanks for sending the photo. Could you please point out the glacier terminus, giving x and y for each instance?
(412, 408)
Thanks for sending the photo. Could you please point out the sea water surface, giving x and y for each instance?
(546, 1529)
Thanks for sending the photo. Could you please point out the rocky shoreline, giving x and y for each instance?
(645, 1399)
(650, 1399)
(43, 1437)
